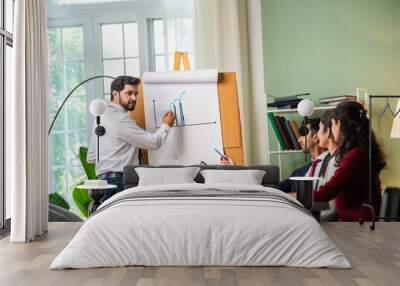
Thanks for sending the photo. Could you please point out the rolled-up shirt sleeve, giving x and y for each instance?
(131, 133)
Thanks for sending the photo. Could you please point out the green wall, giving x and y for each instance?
(330, 47)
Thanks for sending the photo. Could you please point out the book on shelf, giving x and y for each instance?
(334, 103)
(293, 139)
(337, 99)
(286, 132)
(290, 97)
(285, 104)
(295, 128)
(290, 106)
(276, 131)
(285, 98)
(281, 128)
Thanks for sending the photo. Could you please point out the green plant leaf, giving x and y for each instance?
(80, 196)
(90, 168)
(58, 200)
(81, 199)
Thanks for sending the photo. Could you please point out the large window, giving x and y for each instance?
(6, 43)
(66, 70)
(169, 36)
(120, 45)
(99, 39)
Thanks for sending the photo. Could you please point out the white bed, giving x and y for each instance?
(269, 228)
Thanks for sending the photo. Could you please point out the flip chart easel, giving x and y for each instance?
(229, 110)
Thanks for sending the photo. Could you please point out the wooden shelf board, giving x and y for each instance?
(294, 110)
(286, 152)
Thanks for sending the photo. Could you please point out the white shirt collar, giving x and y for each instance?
(322, 155)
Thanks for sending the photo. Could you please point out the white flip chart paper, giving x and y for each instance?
(193, 97)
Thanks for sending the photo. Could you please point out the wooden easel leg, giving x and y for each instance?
(186, 62)
(181, 57)
(177, 61)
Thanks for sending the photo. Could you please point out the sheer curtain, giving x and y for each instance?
(26, 118)
(228, 37)
(177, 8)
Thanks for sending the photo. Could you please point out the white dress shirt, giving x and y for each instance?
(119, 146)
(330, 214)
(330, 170)
(318, 167)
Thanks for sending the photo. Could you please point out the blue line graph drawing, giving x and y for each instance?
(177, 107)
(172, 107)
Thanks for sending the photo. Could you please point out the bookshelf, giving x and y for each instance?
(294, 110)
(286, 152)
(279, 153)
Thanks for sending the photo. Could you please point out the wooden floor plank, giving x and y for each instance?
(374, 255)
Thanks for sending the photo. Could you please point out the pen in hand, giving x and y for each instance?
(223, 157)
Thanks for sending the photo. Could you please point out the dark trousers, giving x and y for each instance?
(110, 192)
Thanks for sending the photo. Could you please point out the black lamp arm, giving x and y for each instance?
(69, 94)
(305, 139)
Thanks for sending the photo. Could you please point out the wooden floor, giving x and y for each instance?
(375, 257)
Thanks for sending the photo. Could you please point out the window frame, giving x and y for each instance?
(91, 17)
(151, 43)
(66, 23)
(88, 59)
(90, 20)
(6, 39)
(116, 18)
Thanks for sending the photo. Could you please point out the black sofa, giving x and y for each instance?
(270, 179)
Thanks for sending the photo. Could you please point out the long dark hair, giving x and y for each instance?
(354, 125)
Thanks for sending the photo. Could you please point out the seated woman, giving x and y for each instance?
(349, 185)
(328, 168)
(318, 156)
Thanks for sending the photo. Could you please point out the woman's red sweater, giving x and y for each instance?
(349, 186)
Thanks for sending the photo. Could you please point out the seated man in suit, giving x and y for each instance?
(318, 155)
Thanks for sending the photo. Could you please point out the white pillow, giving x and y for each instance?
(248, 177)
(166, 176)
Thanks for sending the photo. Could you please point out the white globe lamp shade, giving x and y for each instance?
(98, 107)
(305, 108)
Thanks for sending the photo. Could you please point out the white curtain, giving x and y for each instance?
(26, 120)
(177, 8)
(228, 37)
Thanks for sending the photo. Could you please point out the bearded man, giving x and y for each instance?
(120, 144)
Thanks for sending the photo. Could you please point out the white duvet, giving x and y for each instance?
(200, 231)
